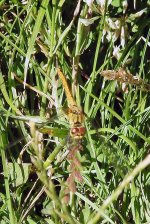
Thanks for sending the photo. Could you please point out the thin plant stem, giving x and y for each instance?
(141, 166)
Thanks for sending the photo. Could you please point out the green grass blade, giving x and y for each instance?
(36, 30)
(117, 116)
(3, 143)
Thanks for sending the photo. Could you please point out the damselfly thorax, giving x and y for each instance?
(76, 121)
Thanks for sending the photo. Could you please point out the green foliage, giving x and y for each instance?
(83, 38)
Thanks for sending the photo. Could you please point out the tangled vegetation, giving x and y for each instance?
(102, 48)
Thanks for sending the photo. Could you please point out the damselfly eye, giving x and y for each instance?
(74, 130)
(82, 130)
(77, 132)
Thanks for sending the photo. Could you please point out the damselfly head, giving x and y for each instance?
(77, 132)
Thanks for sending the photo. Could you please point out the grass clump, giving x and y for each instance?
(46, 177)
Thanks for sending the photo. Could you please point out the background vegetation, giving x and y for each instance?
(83, 38)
